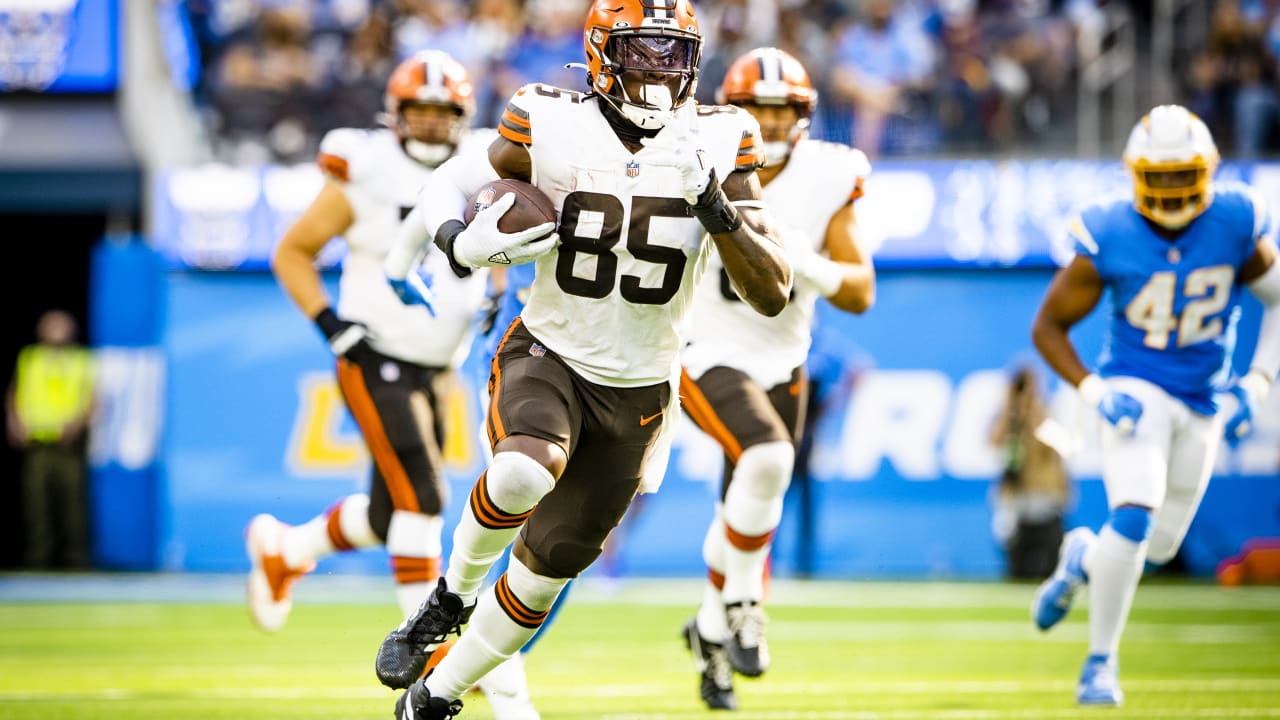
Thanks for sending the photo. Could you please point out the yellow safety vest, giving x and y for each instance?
(54, 387)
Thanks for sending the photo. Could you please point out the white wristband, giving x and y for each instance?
(1256, 384)
(1092, 389)
(826, 276)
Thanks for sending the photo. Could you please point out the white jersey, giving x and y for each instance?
(609, 298)
(381, 183)
(818, 180)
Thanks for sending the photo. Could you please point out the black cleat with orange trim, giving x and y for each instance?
(405, 651)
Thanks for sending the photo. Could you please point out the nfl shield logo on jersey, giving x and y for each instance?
(633, 169)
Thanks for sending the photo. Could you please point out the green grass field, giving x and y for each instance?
(841, 650)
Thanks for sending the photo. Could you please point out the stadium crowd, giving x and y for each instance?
(896, 77)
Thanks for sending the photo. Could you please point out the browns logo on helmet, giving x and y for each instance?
(642, 57)
(429, 104)
(771, 78)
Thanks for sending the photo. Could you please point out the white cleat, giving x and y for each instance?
(1099, 683)
(270, 580)
(507, 690)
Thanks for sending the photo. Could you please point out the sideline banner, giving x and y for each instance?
(915, 215)
(901, 470)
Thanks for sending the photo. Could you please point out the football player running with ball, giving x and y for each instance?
(744, 382)
(391, 357)
(1174, 257)
(583, 385)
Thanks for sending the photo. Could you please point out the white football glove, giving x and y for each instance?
(482, 244)
(678, 146)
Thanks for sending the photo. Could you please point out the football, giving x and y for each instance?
(532, 206)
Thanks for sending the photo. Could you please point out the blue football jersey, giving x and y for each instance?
(1175, 301)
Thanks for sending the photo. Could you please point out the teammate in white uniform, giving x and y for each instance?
(393, 359)
(583, 382)
(1174, 257)
(744, 381)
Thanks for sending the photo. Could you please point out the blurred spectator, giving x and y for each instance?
(266, 86)
(48, 408)
(551, 39)
(358, 82)
(729, 29)
(1031, 498)
(883, 64)
(1232, 83)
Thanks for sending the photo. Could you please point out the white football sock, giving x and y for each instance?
(344, 526)
(499, 502)
(1114, 566)
(752, 510)
(413, 542)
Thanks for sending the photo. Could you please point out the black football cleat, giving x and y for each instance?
(405, 651)
(416, 703)
(713, 668)
(745, 647)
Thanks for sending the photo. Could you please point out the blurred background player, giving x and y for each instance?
(394, 361)
(1174, 257)
(583, 381)
(743, 381)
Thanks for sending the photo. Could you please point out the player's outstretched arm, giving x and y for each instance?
(752, 252)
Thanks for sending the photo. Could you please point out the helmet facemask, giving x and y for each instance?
(1172, 194)
(647, 76)
(429, 132)
(779, 131)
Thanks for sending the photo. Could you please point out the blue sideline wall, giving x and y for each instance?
(901, 469)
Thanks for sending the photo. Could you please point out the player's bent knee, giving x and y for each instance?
(765, 469)
(544, 452)
(564, 559)
(1131, 522)
(516, 482)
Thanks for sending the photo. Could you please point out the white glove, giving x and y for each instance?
(482, 244)
(811, 268)
(678, 146)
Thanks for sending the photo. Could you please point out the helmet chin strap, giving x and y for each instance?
(429, 154)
